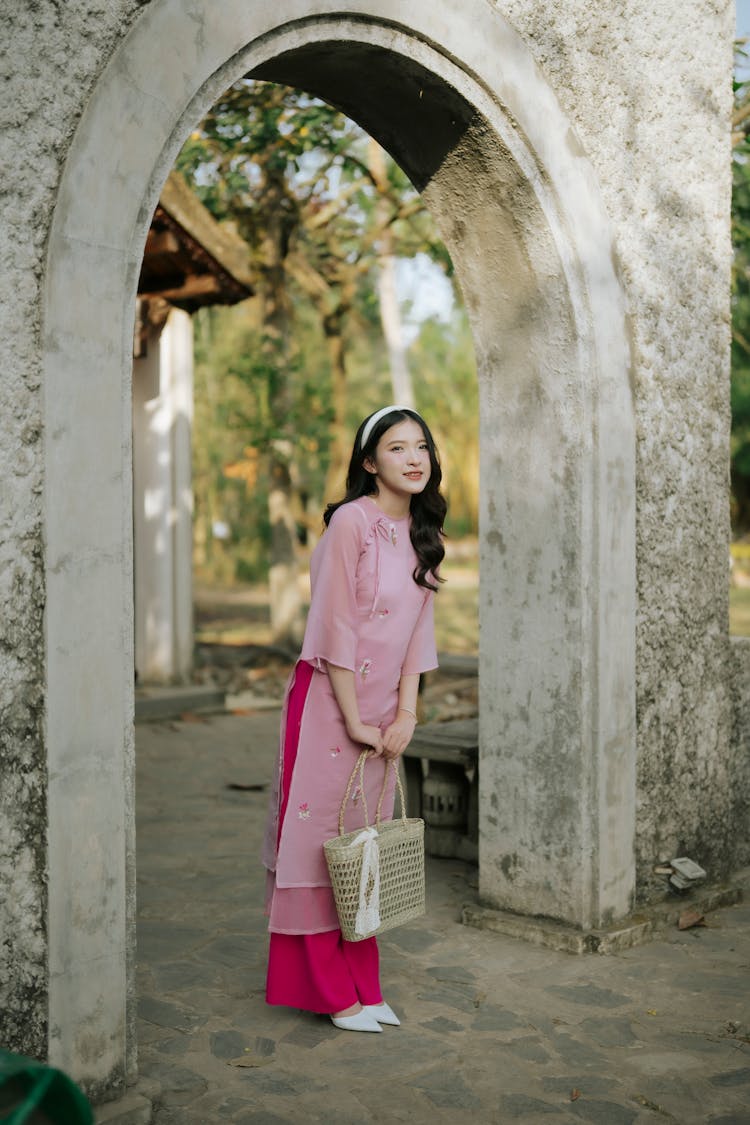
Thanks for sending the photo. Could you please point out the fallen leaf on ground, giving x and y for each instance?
(690, 918)
(652, 1105)
(650, 1011)
(575, 1094)
(191, 717)
(250, 1060)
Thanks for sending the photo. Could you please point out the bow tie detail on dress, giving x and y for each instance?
(384, 529)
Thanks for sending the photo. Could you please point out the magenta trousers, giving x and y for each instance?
(316, 972)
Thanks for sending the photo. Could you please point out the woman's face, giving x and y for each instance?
(401, 463)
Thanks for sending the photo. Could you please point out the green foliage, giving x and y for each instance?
(234, 424)
(263, 143)
(446, 389)
(740, 389)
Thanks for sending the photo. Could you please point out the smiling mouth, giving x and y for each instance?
(413, 476)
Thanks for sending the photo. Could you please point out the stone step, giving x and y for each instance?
(171, 702)
(135, 1108)
(458, 664)
(638, 928)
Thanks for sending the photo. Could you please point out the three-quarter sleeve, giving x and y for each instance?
(421, 654)
(331, 632)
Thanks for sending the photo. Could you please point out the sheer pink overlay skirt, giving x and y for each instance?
(316, 969)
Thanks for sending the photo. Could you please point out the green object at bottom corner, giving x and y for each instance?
(32, 1093)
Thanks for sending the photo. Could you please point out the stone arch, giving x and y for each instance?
(454, 94)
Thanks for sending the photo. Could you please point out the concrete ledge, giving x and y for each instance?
(457, 664)
(635, 930)
(134, 1109)
(171, 702)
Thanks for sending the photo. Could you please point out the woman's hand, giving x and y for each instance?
(367, 736)
(398, 735)
(342, 682)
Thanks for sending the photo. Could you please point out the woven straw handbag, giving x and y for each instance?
(377, 872)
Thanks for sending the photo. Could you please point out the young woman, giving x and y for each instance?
(369, 636)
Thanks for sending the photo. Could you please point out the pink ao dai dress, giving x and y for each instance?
(368, 615)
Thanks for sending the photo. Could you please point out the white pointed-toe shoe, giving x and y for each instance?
(383, 1013)
(362, 1021)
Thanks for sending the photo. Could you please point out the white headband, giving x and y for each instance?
(373, 420)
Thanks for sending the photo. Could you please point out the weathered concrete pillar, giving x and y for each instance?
(162, 503)
(179, 343)
(152, 504)
(557, 560)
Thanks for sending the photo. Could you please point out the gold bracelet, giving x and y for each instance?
(408, 711)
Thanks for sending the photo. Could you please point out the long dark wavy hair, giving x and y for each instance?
(428, 507)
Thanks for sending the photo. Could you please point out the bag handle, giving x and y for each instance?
(359, 767)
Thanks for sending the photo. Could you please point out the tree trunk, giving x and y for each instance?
(390, 318)
(283, 572)
(286, 603)
(339, 451)
(390, 312)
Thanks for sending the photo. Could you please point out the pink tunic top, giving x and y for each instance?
(368, 615)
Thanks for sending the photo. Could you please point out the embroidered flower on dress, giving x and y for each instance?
(304, 811)
(335, 751)
(394, 536)
(356, 795)
(383, 612)
(364, 668)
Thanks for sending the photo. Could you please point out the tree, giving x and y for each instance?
(245, 164)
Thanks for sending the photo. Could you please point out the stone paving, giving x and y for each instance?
(494, 1030)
